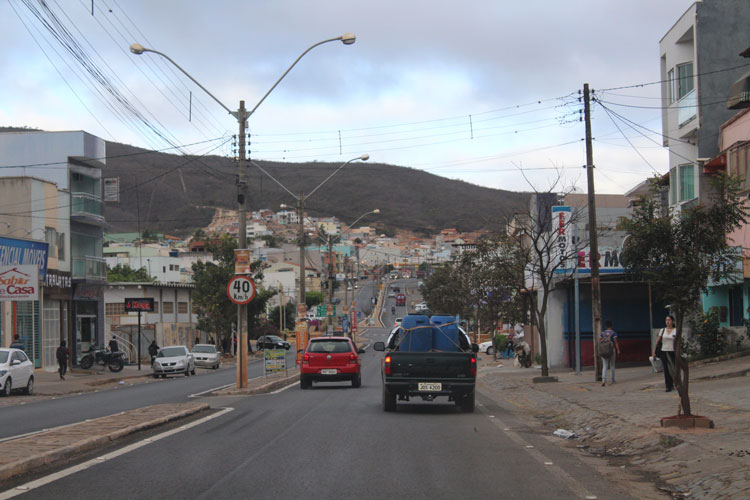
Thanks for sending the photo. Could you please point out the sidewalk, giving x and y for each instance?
(623, 420)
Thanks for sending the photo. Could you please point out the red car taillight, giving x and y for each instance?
(352, 357)
(473, 367)
(387, 365)
(306, 358)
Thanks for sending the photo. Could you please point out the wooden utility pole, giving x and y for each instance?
(596, 299)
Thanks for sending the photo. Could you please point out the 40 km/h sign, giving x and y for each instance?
(241, 289)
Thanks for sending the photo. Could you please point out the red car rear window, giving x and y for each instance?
(330, 346)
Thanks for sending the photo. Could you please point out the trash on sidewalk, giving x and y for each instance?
(565, 434)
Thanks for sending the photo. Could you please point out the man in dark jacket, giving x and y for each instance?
(153, 349)
(62, 359)
(16, 344)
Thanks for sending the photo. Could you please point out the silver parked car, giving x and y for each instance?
(172, 360)
(16, 372)
(206, 355)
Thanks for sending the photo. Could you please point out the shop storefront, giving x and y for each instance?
(58, 292)
(88, 318)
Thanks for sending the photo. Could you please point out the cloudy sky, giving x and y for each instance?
(483, 91)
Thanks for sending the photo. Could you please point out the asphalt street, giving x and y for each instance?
(334, 441)
(24, 418)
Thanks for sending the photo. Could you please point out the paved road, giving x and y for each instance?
(22, 419)
(334, 441)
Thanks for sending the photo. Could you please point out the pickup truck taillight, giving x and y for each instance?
(473, 367)
(387, 365)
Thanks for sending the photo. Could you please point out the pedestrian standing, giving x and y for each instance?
(16, 344)
(153, 350)
(609, 349)
(664, 348)
(62, 354)
(113, 345)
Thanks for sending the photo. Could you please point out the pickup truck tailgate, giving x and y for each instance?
(431, 365)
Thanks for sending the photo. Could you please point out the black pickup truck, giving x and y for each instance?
(428, 358)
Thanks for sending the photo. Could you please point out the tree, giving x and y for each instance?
(124, 273)
(271, 240)
(538, 246)
(314, 298)
(495, 275)
(445, 291)
(216, 313)
(677, 254)
(289, 314)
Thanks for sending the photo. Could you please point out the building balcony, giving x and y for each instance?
(687, 108)
(86, 207)
(89, 268)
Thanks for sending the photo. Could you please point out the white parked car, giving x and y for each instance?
(206, 355)
(172, 360)
(16, 371)
(487, 348)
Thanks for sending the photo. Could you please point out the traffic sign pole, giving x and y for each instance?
(241, 290)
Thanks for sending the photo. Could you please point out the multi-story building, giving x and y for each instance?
(697, 57)
(73, 161)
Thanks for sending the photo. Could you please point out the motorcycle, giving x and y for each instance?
(115, 361)
(523, 352)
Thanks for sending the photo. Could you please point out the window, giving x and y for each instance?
(687, 183)
(672, 186)
(182, 307)
(168, 307)
(684, 79)
(156, 307)
(50, 236)
(61, 246)
(670, 86)
(114, 308)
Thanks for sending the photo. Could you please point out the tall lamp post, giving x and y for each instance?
(301, 198)
(376, 212)
(241, 115)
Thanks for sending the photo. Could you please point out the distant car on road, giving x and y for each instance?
(206, 355)
(398, 322)
(16, 372)
(391, 295)
(271, 342)
(173, 360)
(336, 300)
(330, 359)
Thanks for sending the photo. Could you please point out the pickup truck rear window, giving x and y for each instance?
(330, 346)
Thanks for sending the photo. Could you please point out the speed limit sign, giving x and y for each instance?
(241, 289)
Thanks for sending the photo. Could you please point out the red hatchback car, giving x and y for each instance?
(330, 359)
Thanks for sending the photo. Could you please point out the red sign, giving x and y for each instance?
(241, 289)
(143, 304)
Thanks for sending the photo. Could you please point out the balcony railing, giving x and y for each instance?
(687, 108)
(89, 268)
(86, 204)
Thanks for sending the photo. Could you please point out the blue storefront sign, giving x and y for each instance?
(15, 252)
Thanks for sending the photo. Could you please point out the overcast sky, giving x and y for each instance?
(483, 91)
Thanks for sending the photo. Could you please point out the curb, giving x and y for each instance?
(25, 465)
(271, 386)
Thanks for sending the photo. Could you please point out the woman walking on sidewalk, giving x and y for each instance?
(664, 348)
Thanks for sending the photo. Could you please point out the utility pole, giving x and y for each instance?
(331, 278)
(242, 243)
(302, 297)
(596, 299)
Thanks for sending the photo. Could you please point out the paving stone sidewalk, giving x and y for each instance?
(623, 420)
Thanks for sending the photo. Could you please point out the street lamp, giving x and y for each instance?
(301, 198)
(241, 115)
(356, 248)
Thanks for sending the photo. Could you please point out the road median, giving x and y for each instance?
(27, 453)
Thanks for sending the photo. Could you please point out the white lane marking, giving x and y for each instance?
(22, 489)
(198, 394)
(282, 389)
(573, 485)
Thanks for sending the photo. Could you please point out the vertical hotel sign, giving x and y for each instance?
(561, 226)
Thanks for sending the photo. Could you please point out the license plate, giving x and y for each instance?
(329, 372)
(430, 386)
